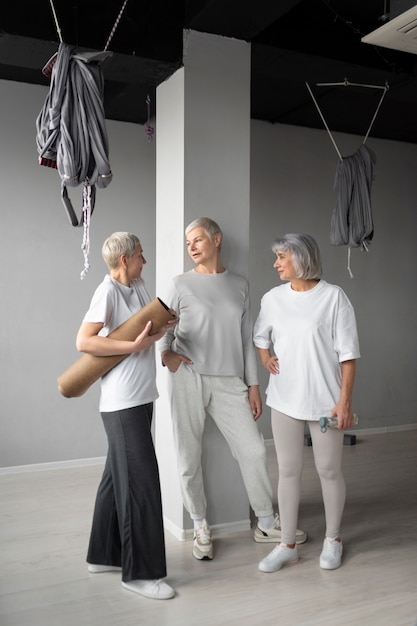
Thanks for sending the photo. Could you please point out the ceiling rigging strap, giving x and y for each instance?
(58, 30)
(348, 263)
(113, 30)
(324, 122)
(346, 83)
(376, 112)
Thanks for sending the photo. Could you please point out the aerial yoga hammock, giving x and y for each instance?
(351, 221)
(72, 138)
(71, 133)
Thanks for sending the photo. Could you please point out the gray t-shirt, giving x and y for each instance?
(215, 326)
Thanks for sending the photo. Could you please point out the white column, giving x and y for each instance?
(203, 169)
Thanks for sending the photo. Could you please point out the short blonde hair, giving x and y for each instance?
(117, 244)
(210, 226)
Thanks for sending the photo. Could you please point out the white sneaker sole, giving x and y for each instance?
(329, 566)
(202, 556)
(261, 537)
(154, 596)
(203, 551)
(269, 570)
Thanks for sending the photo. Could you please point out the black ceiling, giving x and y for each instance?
(293, 42)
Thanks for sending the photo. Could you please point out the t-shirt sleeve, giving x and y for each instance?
(262, 329)
(100, 309)
(346, 340)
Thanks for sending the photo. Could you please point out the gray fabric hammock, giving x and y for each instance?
(351, 221)
(71, 134)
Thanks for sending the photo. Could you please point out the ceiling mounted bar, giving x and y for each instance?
(347, 83)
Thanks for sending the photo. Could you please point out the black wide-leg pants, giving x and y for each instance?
(127, 528)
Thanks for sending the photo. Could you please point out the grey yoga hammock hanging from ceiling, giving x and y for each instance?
(71, 133)
(351, 220)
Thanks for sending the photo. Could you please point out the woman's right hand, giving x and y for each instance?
(272, 365)
(144, 340)
(270, 362)
(173, 360)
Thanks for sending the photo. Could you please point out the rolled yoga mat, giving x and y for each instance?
(88, 369)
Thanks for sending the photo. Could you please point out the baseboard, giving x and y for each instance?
(54, 465)
(39, 467)
(383, 430)
(187, 534)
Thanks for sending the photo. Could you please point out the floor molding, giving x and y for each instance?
(187, 534)
(382, 430)
(54, 465)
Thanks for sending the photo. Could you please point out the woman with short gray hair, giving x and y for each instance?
(127, 533)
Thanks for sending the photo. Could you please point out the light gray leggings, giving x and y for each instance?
(327, 449)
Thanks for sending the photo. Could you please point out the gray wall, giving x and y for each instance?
(43, 298)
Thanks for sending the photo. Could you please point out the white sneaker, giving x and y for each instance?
(273, 535)
(202, 543)
(331, 555)
(279, 556)
(156, 589)
(93, 568)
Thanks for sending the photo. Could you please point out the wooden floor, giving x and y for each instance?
(45, 521)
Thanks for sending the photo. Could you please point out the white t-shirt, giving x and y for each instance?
(215, 324)
(132, 382)
(311, 332)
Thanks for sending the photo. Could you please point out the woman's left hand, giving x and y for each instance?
(255, 401)
(344, 417)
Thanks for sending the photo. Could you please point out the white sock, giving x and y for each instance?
(199, 522)
(267, 522)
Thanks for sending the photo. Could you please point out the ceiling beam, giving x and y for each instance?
(241, 20)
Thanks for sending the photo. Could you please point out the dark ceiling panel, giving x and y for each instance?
(293, 42)
(281, 77)
(241, 20)
(147, 29)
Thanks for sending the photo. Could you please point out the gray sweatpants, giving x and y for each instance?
(225, 399)
(327, 449)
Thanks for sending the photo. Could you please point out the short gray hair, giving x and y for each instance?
(116, 245)
(210, 226)
(305, 254)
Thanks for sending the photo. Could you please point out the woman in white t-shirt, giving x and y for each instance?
(127, 531)
(307, 340)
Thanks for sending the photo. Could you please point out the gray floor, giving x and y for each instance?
(45, 520)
